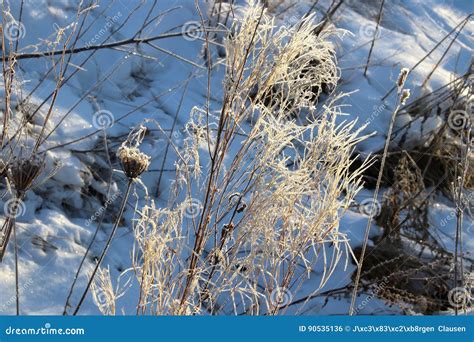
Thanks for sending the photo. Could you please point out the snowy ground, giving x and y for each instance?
(54, 230)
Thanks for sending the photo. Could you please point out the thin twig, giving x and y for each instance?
(103, 46)
(379, 17)
(374, 200)
(106, 248)
(91, 243)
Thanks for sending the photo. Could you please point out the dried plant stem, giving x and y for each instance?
(17, 280)
(106, 247)
(214, 169)
(11, 223)
(7, 230)
(431, 51)
(379, 18)
(444, 54)
(129, 41)
(99, 225)
(173, 126)
(374, 200)
(459, 213)
(330, 12)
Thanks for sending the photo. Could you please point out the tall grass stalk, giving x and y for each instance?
(402, 97)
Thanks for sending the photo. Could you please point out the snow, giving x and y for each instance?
(53, 231)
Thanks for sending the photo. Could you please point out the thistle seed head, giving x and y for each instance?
(22, 172)
(402, 77)
(133, 162)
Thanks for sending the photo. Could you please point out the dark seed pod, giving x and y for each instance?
(133, 162)
(23, 172)
(402, 77)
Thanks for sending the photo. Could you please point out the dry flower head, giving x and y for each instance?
(23, 172)
(133, 161)
(402, 77)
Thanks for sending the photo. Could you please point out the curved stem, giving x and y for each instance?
(106, 248)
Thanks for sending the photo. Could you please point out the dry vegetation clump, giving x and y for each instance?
(401, 276)
(408, 265)
(408, 258)
(440, 151)
(261, 184)
(405, 208)
(255, 207)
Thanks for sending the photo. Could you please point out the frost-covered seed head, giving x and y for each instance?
(405, 96)
(23, 172)
(133, 162)
(402, 77)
